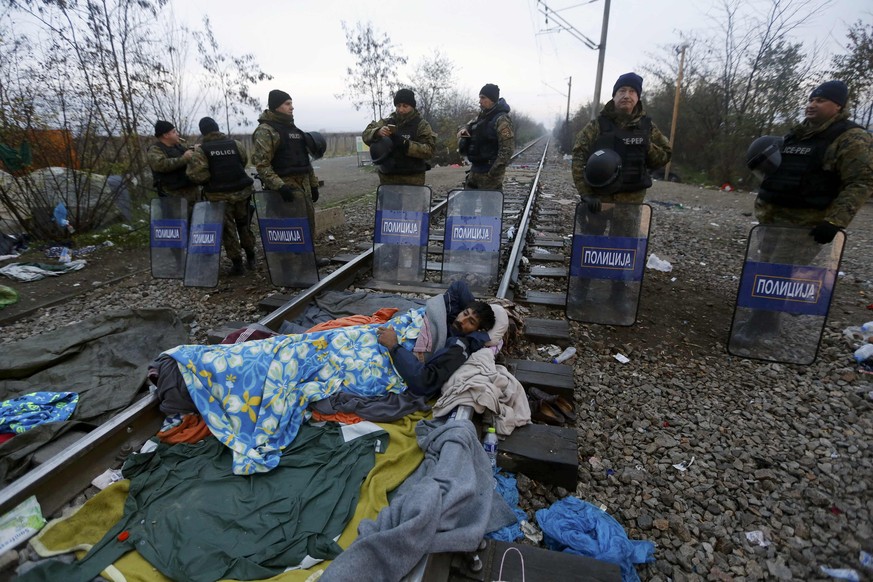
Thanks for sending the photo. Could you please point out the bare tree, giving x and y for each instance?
(232, 76)
(373, 78)
(855, 68)
(432, 82)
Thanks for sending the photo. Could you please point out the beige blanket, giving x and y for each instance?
(483, 385)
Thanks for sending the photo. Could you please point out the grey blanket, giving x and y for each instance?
(447, 505)
(335, 304)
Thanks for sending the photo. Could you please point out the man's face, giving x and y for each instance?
(403, 108)
(467, 322)
(287, 108)
(819, 109)
(171, 137)
(626, 99)
(485, 102)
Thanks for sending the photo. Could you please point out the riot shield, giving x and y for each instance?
(400, 233)
(607, 263)
(287, 239)
(168, 238)
(204, 245)
(784, 294)
(471, 246)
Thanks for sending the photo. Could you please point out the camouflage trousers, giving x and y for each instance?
(401, 179)
(484, 181)
(236, 232)
(300, 184)
(767, 213)
(189, 193)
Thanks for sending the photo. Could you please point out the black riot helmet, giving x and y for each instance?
(381, 149)
(764, 155)
(316, 145)
(603, 170)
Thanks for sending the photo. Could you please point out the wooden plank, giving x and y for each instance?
(539, 564)
(551, 378)
(540, 298)
(549, 243)
(551, 272)
(544, 257)
(552, 331)
(546, 453)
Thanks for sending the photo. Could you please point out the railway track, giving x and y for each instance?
(60, 479)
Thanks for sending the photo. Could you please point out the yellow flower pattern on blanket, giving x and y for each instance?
(253, 395)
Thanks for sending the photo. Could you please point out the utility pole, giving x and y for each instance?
(675, 106)
(564, 25)
(568, 141)
(600, 58)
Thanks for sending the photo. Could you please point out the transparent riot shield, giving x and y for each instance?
(168, 239)
(784, 294)
(204, 245)
(287, 239)
(471, 246)
(607, 263)
(400, 233)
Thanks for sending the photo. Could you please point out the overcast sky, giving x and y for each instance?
(301, 43)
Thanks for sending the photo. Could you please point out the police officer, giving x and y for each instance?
(168, 159)
(826, 172)
(624, 127)
(488, 141)
(412, 142)
(219, 164)
(281, 157)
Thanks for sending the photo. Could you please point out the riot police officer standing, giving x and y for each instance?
(488, 141)
(168, 159)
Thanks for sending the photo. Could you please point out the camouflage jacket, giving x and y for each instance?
(265, 142)
(159, 161)
(505, 138)
(659, 147)
(425, 138)
(198, 168)
(850, 156)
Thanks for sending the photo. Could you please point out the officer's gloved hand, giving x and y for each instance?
(592, 202)
(824, 232)
(314, 190)
(287, 193)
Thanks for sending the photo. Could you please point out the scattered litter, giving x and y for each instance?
(551, 349)
(595, 463)
(863, 353)
(65, 256)
(20, 523)
(525, 261)
(866, 559)
(842, 573)
(330, 237)
(835, 455)
(757, 537)
(106, 478)
(672, 279)
(621, 358)
(713, 224)
(658, 264)
(510, 233)
(726, 187)
(683, 466)
(531, 531)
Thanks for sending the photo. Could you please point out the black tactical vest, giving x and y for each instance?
(800, 181)
(484, 144)
(226, 170)
(291, 156)
(398, 162)
(631, 144)
(174, 179)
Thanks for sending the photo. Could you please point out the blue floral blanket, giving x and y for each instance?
(253, 395)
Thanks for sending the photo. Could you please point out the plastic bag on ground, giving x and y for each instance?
(658, 264)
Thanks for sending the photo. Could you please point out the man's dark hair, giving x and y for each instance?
(485, 314)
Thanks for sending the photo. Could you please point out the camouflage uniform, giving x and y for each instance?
(160, 162)
(422, 148)
(851, 156)
(236, 233)
(658, 155)
(493, 178)
(266, 141)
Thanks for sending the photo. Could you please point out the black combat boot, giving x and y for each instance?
(250, 260)
(237, 269)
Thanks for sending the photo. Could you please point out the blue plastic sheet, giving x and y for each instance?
(575, 526)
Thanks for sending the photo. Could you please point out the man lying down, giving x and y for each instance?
(253, 396)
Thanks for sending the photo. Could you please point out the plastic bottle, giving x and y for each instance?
(864, 353)
(490, 444)
(65, 255)
(565, 355)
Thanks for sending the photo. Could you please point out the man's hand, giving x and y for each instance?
(287, 193)
(463, 132)
(314, 190)
(387, 337)
(824, 232)
(592, 202)
(187, 155)
(384, 131)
